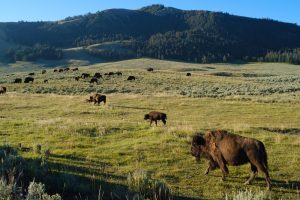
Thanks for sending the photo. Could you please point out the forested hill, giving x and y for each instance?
(163, 32)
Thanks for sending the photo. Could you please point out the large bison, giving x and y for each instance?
(18, 80)
(97, 75)
(155, 116)
(98, 98)
(222, 148)
(85, 75)
(2, 90)
(28, 80)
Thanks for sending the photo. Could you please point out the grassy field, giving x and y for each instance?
(100, 145)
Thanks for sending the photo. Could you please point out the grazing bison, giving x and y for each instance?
(28, 80)
(94, 80)
(31, 74)
(44, 71)
(18, 80)
(130, 78)
(75, 69)
(111, 73)
(2, 90)
(98, 98)
(46, 81)
(150, 69)
(222, 148)
(66, 69)
(85, 75)
(97, 75)
(55, 70)
(61, 70)
(119, 73)
(91, 99)
(77, 78)
(154, 116)
(188, 74)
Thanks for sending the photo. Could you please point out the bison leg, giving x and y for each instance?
(164, 121)
(262, 168)
(156, 122)
(253, 174)
(151, 122)
(212, 166)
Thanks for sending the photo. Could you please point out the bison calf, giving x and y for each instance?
(155, 116)
(222, 148)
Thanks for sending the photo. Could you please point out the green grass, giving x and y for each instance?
(105, 143)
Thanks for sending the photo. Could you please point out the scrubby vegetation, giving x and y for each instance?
(80, 150)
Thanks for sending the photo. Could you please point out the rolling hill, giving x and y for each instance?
(162, 32)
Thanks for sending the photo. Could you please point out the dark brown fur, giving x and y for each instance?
(28, 80)
(46, 81)
(97, 75)
(98, 98)
(222, 148)
(85, 75)
(130, 78)
(94, 80)
(150, 69)
(188, 74)
(31, 74)
(155, 116)
(2, 90)
(18, 80)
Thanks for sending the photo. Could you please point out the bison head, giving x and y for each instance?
(198, 143)
(146, 117)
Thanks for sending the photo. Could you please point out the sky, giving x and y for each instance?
(51, 10)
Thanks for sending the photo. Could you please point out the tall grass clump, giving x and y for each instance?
(142, 187)
(249, 195)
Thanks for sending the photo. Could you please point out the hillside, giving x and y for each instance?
(162, 32)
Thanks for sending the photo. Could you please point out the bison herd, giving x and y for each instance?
(219, 147)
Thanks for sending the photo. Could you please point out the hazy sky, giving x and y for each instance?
(49, 10)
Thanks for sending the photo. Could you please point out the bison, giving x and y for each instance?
(66, 69)
(44, 71)
(91, 99)
(77, 78)
(85, 75)
(150, 69)
(46, 81)
(75, 69)
(18, 80)
(28, 80)
(2, 90)
(55, 70)
(98, 98)
(61, 70)
(97, 75)
(154, 116)
(222, 148)
(94, 80)
(31, 74)
(119, 73)
(188, 74)
(131, 78)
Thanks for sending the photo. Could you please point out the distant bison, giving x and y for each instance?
(45, 81)
(66, 69)
(94, 80)
(28, 80)
(31, 74)
(97, 75)
(75, 69)
(55, 70)
(77, 78)
(85, 75)
(130, 78)
(60, 70)
(222, 148)
(119, 73)
(18, 80)
(150, 69)
(111, 73)
(155, 116)
(188, 74)
(91, 99)
(44, 71)
(98, 98)
(2, 90)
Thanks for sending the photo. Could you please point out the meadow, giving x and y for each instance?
(92, 146)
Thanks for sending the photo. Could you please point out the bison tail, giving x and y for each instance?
(264, 156)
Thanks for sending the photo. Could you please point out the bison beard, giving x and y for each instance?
(222, 148)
